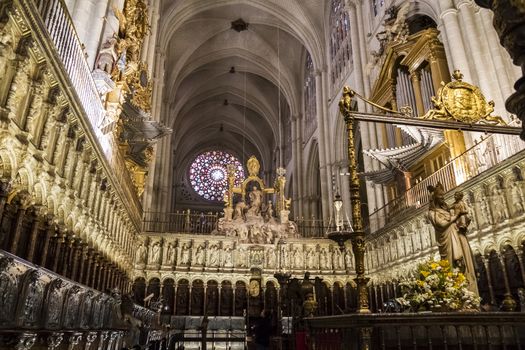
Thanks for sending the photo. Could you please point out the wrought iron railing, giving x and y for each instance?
(200, 223)
(458, 330)
(477, 159)
(180, 222)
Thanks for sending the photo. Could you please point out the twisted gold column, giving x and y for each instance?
(358, 236)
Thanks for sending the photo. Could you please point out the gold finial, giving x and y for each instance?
(457, 75)
(345, 104)
(253, 166)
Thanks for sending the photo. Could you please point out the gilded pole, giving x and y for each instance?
(358, 235)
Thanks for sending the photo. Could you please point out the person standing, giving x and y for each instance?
(263, 331)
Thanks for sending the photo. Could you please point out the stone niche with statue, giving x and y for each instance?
(255, 213)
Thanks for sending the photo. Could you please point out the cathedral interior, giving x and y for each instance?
(173, 173)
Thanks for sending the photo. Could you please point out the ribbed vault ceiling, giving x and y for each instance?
(200, 48)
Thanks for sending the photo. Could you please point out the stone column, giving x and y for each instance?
(89, 267)
(96, 270)
(322, 145)
(155, 14)
(96, 24)
(505, 77)
(233, 301)
(59, 241)
(101, 274)
(489, 280)
(68, 255)
(34, 235)
(503, 264)
(509, 23)
(519, 253)
(25, 202)
(484, 73)
(50, 231)
(190, 287)
(328, 146)
(77, 254)
(508, 304)
(5, 188)
(84, 258)
(456, 48)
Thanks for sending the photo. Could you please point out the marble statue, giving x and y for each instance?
(213, 256)
(199, 255)
(310, 258)
(271, 258)
(170, 254)
(298, 258)
(155, 253)
(141, 253)
(185, 254)
(256, 197)
(452, 241)
(228, 257)
(516, 195)
(500, 209)
(325, 261)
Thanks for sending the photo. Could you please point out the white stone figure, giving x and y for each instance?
(408, 244)
(228, 257)
(311, 262)
(285, 258)
(213, 256)
(472, 215)
(240, 208)
(267, 234)
(516, 195)
(241, 258)
(298, 258)
(338, 259)
(256, 197)
(500, 208)
(185, 254)
(269, 211)
(155, 253)
(325, 261)
(256, 257)
(242, 233)
(485, 213)
(348, 260)
(142, 252)
(199, 256)
(170, 254)
(271, 258)
(255, 235)
(292, 229)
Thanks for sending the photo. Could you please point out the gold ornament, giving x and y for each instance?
(253, 166)
(462, 102)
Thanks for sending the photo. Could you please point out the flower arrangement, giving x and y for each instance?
(438, 287)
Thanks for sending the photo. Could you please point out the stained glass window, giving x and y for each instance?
(310, 105)
(209, 175)
(340, 46)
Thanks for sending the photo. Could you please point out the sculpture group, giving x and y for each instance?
(249, 213)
